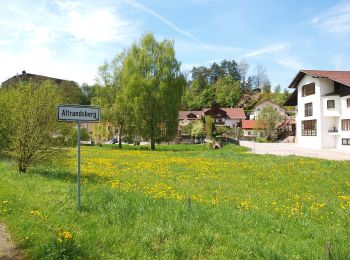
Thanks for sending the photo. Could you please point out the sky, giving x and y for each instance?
(71, 39)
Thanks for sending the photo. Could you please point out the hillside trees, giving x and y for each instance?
(209, 86)
(227, 91)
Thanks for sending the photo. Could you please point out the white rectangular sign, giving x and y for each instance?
(75, 113)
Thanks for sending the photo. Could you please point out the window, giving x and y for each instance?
(345, 141)
(308, 89)
(330, 104)
(345, 124)
(309, 128)
(308, 109)
(249, 133)
(348, 102)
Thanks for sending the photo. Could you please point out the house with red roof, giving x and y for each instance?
(229, 117)
(322, 100)
(250, 129)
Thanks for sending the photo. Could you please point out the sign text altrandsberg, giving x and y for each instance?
(78, 113)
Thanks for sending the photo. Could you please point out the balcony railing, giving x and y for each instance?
(334, 130)
(309, 132)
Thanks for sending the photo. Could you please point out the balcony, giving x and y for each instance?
(333, 131)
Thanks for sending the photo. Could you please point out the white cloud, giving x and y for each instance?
(42, 38)
(266, 50)
(335, 19)
(289, 62)
(95, 25)
(162, 19)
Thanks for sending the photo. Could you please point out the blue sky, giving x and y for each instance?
(70, 39)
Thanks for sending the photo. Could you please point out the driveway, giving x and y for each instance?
(284, 149)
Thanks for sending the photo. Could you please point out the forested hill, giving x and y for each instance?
(226, 84)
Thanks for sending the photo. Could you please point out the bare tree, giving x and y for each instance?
(260, 77)
(243, 67)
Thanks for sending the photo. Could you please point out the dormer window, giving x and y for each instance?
(308, 89)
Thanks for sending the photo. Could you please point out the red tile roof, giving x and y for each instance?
(342, 77)
(183, 114)
(235, 113)
(248, 124)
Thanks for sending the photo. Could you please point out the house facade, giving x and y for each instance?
(257, 109)
(250, 130)
(322, 100)
(228, 117)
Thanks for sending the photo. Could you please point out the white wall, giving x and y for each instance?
(328, 140)
(331, 111)
(315, 99)
(326, 118)
(345, 114)
(255, 113)
(231, 122)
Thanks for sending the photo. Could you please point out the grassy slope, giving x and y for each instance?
(243, 205)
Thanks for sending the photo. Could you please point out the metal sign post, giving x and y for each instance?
(77, 113)
(78, 165)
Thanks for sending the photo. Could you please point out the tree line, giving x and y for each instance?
(223, 84)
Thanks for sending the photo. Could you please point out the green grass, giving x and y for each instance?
(135, 205)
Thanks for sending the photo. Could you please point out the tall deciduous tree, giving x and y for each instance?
(110, 95)
(154, 86)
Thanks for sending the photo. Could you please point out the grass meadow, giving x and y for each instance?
(181, 201)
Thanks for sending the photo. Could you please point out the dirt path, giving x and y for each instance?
(8, 249)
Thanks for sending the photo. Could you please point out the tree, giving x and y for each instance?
(209, 126)
(5, 121)
(110, 95)
(72, 93)
(231, 69)
(207, 97)
(197, 129)
(227, 92)
(200, 77)
(267, 86)
(36, 134)
(215, 73)
(154, 86)
(267, 122)
(243, 67)
(89, 93)
(277, 89)
(260, 77)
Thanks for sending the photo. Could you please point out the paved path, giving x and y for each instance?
(284, 149)
(8, 249)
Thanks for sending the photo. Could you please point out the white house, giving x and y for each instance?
(257, 109)
(322, 99)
